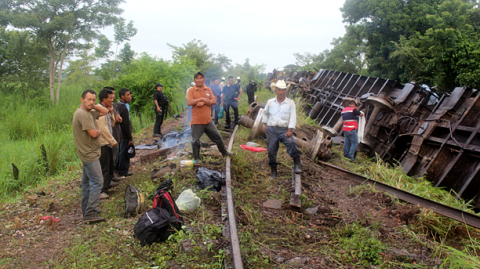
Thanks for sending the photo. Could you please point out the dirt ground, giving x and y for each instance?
(287, 237)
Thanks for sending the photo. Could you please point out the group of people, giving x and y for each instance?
(102, 133)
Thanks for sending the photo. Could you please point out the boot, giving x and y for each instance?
(196, 153)
(296, 165)
(274, 172)
(223, 150)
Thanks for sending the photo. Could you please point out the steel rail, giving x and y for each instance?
(232, 224)
(447, 211)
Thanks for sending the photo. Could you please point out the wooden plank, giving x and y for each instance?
(297, 187)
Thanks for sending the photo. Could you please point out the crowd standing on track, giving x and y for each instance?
(280, 118)
(201, 98)
(107, 141)
(231, 95)
(127, 138)
(350, 126)
(161, 105)
(86, 137)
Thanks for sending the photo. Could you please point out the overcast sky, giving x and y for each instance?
(265, 32)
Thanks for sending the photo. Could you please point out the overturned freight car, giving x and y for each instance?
(425, 130)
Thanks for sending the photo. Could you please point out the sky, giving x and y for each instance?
(266, 32)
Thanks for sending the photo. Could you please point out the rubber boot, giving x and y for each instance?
(274, 172)
(223, 150)
(196, 153)
(296, 165)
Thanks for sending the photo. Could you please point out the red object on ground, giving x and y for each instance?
(48, 217)
(258, 149)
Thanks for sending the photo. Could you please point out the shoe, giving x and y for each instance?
(114, 184)
(157, 135)
(196, 153)
(274, 172)
(227, 154)
(215, 122)
(103, 196)
(227, 126)
(93, 218)
(296, 165)
(126, 175)
(116, 179)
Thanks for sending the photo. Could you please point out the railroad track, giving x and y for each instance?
(444, 210)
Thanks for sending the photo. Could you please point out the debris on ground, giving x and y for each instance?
(209, 179)
(188, 201)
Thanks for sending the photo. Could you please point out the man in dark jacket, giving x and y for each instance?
(161, 106)
(251, 89)
(231, 95)
(217, 92)
(126, 126)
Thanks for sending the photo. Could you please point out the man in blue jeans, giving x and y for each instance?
(86, 137)
(280, 116)
(126, 127)
(350, 126)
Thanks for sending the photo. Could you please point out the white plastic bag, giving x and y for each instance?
(188, 201)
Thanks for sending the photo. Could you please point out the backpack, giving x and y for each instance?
(164, 200)
(134, 201)
(154, 226)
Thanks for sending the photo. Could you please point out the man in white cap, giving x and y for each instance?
(280, 117)
(222, 83)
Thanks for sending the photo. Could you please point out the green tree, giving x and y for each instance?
(62, 25)
(123, 32)
(79, 72)
(196, 51)
(127, 54)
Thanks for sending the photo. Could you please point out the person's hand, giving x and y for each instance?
(266, 127)
(130, 142)
(288, 133)
(116, 144)
(110, 108)
(118, 119)
(362, 114)
(158, 109)
(200, 104)
(236, 99)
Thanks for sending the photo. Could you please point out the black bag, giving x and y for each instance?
(154, 226)
(209, 179)
(134, 201)
(164, 200)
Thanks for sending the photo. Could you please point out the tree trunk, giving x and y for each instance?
(114, 61)
(59, 80)
(52, 74)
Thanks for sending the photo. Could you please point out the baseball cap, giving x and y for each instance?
(198, 73)
(158, 85)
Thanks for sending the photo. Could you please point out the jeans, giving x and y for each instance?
(234, 106)
(351, 142)
(275, 135)
(158, 122)
(215, 111)
(123, 160)
(92, 184)
(106, 161)
(211, 130)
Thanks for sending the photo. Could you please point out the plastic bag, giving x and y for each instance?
(257, 149)
(220, 114)
(208, 179)
(188, 201)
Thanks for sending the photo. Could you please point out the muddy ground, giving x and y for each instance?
(286, 237)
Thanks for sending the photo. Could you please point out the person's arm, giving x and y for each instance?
(125, 124)
(212, 100)
(239, 94)
(101, 109)
(103, 126)
(265, 115)
(194, 102)
(94, 133)
(158, 107)
(293, 119)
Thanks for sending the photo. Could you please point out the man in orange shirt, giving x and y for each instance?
(201, 98)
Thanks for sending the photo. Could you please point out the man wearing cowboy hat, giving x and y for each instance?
(280, 116)
(350, 126)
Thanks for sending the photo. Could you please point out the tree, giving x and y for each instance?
(123, 32)
(62, 25)
(127, 54)
(79, 72)
(194, 50)
(24, 60)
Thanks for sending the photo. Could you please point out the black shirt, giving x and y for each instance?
(231, 92)
(161, 99)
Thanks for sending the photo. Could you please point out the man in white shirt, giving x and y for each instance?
(280, 117)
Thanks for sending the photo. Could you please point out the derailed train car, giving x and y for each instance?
(423, 129)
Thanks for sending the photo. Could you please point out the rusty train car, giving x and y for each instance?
(426, 131)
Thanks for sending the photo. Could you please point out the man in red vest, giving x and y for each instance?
(350, 126)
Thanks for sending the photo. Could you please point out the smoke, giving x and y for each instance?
(174, 138)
